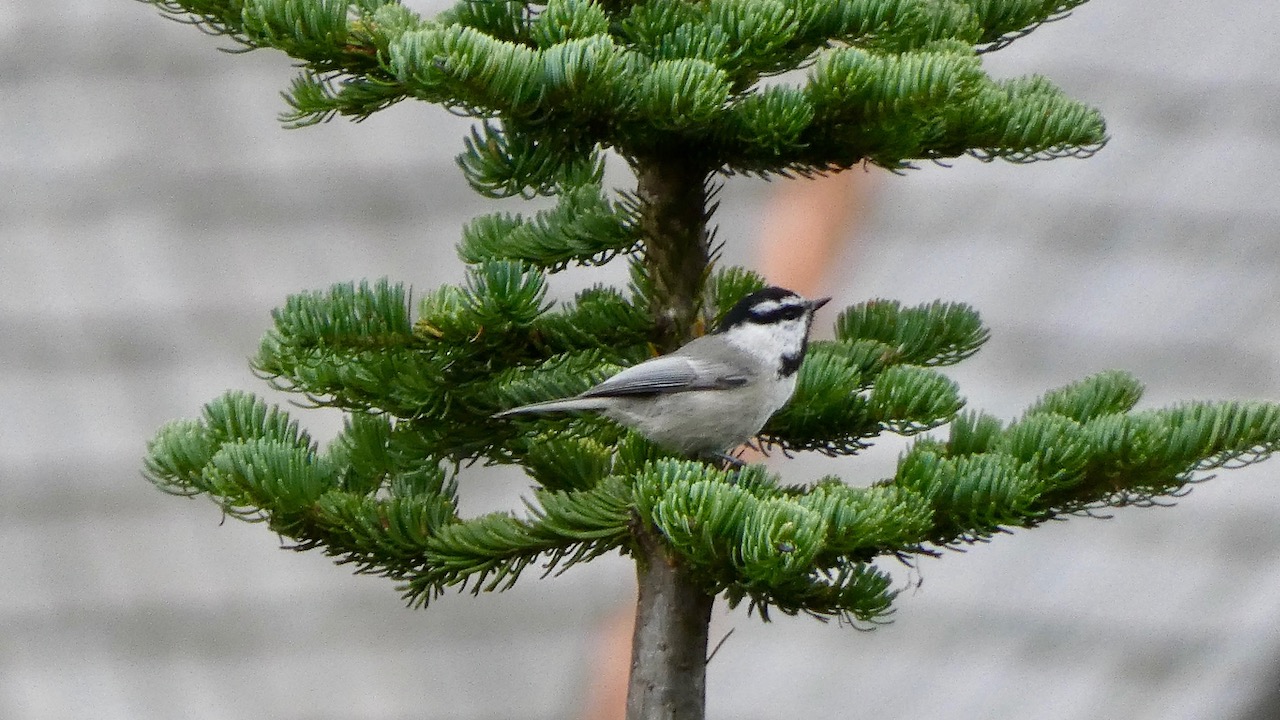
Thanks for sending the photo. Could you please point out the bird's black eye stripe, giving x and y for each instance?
(776, 313)
(767, 305)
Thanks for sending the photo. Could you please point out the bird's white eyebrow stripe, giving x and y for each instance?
(771, 310)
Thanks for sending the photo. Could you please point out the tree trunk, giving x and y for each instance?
(669, 647)
(673, 224)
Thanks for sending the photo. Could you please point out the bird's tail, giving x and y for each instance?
(553, 406)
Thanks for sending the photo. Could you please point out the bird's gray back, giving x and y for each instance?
(707, 363)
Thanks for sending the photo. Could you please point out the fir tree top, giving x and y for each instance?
(886, 81)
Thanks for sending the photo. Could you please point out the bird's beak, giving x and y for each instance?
(815, 304)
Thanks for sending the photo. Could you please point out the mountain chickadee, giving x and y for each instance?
(717, 391)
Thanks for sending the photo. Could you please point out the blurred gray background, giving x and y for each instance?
(153, 212)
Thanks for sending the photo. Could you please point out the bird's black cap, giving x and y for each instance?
(783, 305)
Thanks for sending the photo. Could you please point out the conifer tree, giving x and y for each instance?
(678, 89)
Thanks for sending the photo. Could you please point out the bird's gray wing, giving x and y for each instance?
(669, 374)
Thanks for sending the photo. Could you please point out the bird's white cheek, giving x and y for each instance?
(769, 343)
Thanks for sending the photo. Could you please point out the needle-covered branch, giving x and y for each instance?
(379, 497)
(890, 81)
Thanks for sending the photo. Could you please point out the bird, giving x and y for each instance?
(715, 392)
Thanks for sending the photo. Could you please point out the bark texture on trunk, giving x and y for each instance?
(669, 647)
(677, 253)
